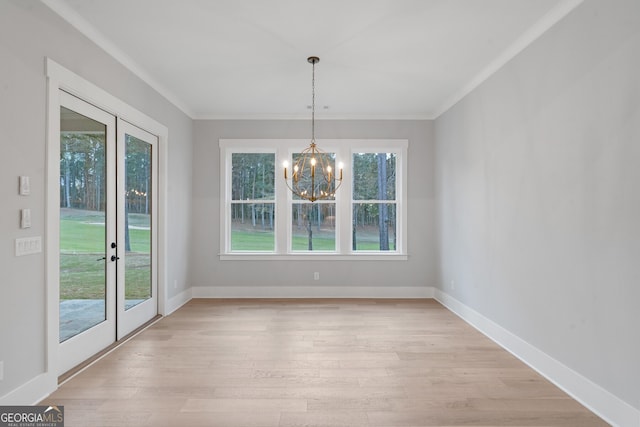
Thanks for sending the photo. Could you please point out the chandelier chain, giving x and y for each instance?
(313, 102)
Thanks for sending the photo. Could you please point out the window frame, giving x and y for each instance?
(399, 192)
(283, 150)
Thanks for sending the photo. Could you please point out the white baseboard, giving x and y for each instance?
(600, 401)
(31, 392)
(177, 301)
(312, 292)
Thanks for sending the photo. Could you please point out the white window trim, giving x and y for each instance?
(344, 149)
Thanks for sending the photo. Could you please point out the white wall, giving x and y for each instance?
(29, 32)
(209, 272)
(538, 190)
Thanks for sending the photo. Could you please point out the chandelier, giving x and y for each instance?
(313, 177)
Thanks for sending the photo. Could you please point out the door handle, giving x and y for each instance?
(114, 258)
(102, 259)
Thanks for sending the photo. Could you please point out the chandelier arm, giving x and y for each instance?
(286, 181)
(313, 181)
(313, 198)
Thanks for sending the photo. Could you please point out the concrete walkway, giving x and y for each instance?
(78, 315)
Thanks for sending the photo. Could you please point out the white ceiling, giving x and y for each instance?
(248, 58)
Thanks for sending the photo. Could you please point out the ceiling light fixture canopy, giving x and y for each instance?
(313, 176)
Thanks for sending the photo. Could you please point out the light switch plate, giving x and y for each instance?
(28, 245)
(25, 186)
(25, 218)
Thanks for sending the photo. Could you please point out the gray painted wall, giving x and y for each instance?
(208, 270)
(29, 31)
(538, 200)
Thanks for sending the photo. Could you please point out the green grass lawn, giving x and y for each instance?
(259, 241)
(82, 270)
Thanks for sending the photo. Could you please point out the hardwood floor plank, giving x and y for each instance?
(324, 419)
(245, 405)
(327, 362)
(208, 419)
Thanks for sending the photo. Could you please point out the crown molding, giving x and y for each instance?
(532, 34)
(204, 116)
(89, 31)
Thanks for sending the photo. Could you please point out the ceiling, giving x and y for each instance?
(248, 58)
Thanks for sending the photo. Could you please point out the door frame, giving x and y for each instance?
(60, 78)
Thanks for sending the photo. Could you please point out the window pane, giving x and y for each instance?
(313, 227)
(324, 176)
(252, 227)
(374, 176)
(374, 227)
(252, 176)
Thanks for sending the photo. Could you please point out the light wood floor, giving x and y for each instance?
(350, 363)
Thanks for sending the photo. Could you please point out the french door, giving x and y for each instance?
(136, 280)
(108, 261)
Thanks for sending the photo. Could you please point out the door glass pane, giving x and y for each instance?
(82, 223)
(313, 227)
(138, 221)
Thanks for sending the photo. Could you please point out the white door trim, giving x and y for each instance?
(58, 78)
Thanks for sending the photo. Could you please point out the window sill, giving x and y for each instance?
(368, 256)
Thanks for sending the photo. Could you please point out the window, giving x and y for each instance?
(262, 219)
(252, 202)
(374, 202)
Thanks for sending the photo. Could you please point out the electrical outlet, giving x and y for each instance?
(316, 275)
(1, 370)
(175, 284)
